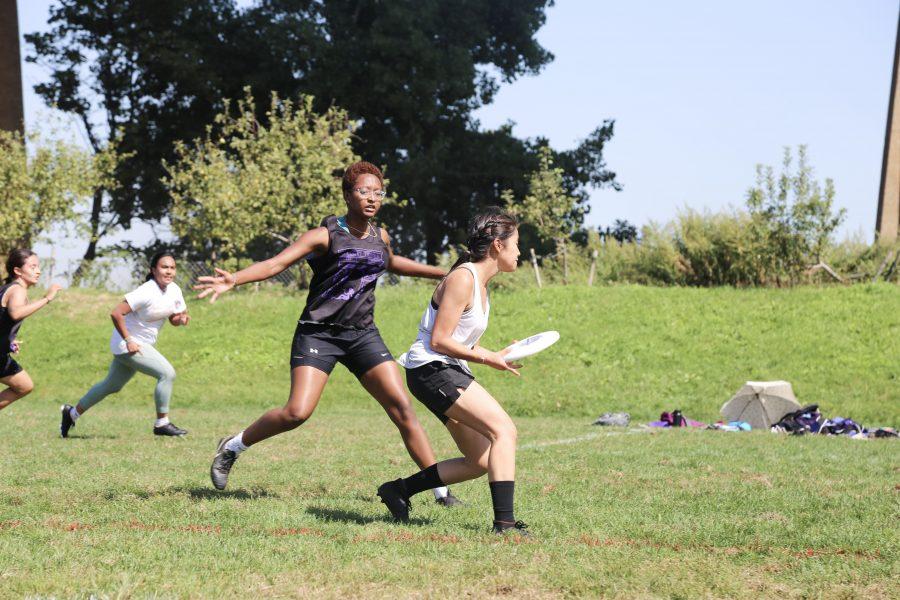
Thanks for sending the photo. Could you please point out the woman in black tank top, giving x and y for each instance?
(23, 271)
(347, 256)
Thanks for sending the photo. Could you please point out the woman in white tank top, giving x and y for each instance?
(438, 375)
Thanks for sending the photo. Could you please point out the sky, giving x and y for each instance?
(701, 92)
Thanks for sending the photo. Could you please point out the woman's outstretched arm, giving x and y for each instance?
(313, 241)
(408, 267)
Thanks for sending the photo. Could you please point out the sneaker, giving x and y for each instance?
(518, 528)
(393, 494)
(66, 423)
(449, 500)
(169, 429)
(221, 464)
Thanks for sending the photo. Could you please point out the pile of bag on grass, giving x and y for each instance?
(763, 405)
(772, 405)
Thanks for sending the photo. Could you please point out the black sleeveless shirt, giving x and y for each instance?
(342, 291)
(8, 327)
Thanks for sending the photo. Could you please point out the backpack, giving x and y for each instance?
(806, 420)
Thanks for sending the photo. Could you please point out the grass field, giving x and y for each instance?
(114, 512)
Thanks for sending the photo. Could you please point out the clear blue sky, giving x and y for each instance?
(701, 91)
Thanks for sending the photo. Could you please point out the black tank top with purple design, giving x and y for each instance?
(342, 291)
(8, 327)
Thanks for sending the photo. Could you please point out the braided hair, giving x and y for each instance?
(491, 224)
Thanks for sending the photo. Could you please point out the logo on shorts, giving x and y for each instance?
(385, 353)
(314, 350)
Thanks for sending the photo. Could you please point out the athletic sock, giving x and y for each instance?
(502, 498)
(440, 492)
(74, 414)
(425, 479)
(161, 421)
(236, 444)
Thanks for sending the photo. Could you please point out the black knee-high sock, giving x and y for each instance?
(423, 480)
(502, 497)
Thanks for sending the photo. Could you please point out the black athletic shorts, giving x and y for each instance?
(9, 366)
(437, 385)
(322, 346)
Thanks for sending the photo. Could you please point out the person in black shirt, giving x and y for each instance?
(347, 255)
(22, 272)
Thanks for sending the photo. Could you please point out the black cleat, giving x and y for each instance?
(506, 528)
(169, 429)
(221, 464)
(393, 494)
(66, 423)
(449, 500)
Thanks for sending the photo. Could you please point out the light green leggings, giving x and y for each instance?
(123, 368)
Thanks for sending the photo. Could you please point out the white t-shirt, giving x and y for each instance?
(150, 307)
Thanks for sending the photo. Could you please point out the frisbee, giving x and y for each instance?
(531, 345)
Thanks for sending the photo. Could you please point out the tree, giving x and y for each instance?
(245, 179)
(153, 71)
(41, 189)
(414, 72)
(547, 208)
(792, 218)
(409, 72)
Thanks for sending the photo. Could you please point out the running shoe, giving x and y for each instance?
(517, 528)
(221, 464)
(66, 423)
(449, 500)
(393, 494)
(169, 429)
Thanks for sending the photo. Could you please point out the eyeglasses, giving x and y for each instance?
(366, 192)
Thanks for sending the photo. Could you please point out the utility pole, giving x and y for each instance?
(887, 223)
(12, 115)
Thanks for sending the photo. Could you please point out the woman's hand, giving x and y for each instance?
(132, 346)
(215, 285)
(51, 293)
(496, 361)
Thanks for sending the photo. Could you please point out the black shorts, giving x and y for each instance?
(322, 346)
(9, 366)
(437, 385)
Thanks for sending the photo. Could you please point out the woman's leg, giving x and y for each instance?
(18, 386)
(475, 448)
(150, 362)
(383, 382)
(477, 409)
(307, 384)
(120, 372)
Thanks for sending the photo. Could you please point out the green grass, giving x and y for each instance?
(115, 512)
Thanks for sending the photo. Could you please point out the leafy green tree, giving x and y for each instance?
(792, 218)
(410, 72)
(547, 208)
(41, 188)
(153, 71)
(245, 179)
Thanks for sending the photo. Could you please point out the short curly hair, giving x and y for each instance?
(352, 173)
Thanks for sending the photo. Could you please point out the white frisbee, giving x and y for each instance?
(531, 345)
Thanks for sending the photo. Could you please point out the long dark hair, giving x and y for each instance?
(16, 260)
(155, 261)
(489, 225)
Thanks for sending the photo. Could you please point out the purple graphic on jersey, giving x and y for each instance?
(365, 264)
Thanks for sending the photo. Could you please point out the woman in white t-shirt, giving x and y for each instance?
(137, 321)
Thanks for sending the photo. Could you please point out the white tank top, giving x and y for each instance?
(471, 326)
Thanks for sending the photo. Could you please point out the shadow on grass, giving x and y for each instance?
(73, 436)
(194, 493)
(347, 516)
